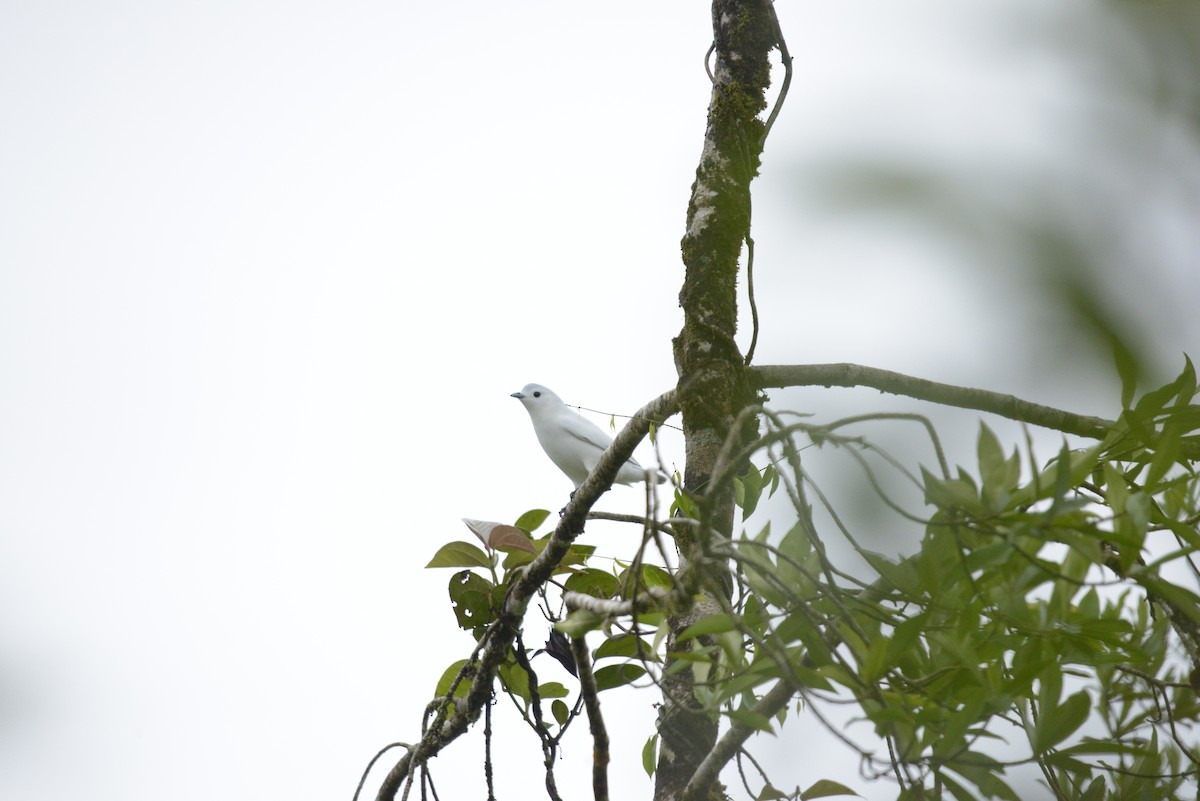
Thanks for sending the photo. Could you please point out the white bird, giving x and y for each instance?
(572, 443)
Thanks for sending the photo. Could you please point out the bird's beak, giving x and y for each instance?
(517, 395)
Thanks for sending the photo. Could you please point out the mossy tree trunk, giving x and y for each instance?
(713, 386)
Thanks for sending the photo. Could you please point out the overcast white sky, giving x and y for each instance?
(269, 272)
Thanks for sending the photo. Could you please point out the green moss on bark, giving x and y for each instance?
(713, 381)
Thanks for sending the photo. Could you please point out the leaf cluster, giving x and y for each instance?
(1047, 628)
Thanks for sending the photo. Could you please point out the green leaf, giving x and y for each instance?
(951, 494)
(702, 656)
(650, 755)
(1181, 600)
(1186, 417)
(957, 790)
(552, 689)
(762, 672)
(1118, 490)
(514, 679)
(1186, 533)
(627, 646)
(825, 788)
(796, 545)
(593, 581)
(901, 576)
(997, 473)
(752, 487)
(561, 712)
(812, 679)
(655, 576)
(648, 576)
(1096, 791)
(1059, 760)
(1050, 686)
(1127, 369)
(579, 623)
(771, 477)
(577, 554)
(874, 662)
(992, 786)
(1166, 449)
(1187, 382)
(1062, 473)
(447, 680)
(905, 641)
(996, 553)
(770, 793)
(751, 719)
(797, 627)
(470, 595)
(459, 554)
(531, 520)
(519, 558)
(1153, 401)
(1056, 724)
(713, 624)
(684, 504)
(1091, 746)
(613, 676)
(761, 572)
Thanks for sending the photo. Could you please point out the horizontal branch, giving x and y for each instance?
(856, 375)
(662, 526)
(644, 602)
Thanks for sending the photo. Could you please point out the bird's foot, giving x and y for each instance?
(563, 511)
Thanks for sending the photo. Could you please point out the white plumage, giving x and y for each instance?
(572, 443)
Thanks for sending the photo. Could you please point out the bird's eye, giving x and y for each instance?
(537, 394)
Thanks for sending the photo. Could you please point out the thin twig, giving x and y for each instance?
(934, 440)
(664, 526)
(786, 58)
(750, 295)
(371, 764)
(591, 701)
(487, 751)
(549, 743)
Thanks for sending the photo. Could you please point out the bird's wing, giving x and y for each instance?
(585, 431)
(589, 432)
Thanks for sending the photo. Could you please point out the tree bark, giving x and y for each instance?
(713, 383)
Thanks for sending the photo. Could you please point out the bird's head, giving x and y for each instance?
(535, 398)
